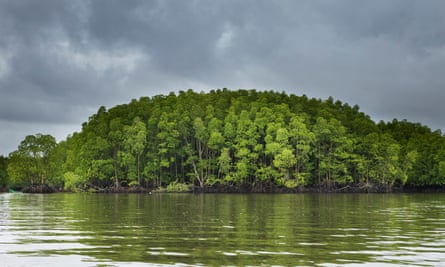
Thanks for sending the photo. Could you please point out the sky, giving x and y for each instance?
(60, 60)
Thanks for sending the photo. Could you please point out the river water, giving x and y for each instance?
(222, 230)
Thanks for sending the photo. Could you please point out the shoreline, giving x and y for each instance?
(243, 189)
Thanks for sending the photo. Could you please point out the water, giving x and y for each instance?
(222, 230)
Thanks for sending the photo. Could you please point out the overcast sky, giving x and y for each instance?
(61, 60)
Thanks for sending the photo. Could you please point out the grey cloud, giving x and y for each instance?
(411, 23)
(28, 22)
(13, 133)
(60, 60)
(39, 79)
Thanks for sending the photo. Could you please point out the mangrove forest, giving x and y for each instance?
(231, 141)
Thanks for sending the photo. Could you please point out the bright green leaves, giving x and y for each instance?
(201, 131)
(302, 140)
(134, 144)
(333, 150)
(285, 161)
(74, 181)
(216, 138)
(239, 138)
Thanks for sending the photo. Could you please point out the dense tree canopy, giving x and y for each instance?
(31, 163)
(3, 172)
(244, 138)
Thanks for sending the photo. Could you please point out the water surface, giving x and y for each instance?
(222, 230)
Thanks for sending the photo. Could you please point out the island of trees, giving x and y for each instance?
(231, 141)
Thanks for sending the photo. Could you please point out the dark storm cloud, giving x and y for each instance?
(178, 36)
(60, 60)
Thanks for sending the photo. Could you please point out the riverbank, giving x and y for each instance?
(363, 188)
(245, 189)
(240, 189)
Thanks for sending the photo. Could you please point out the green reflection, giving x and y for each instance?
(224, 229)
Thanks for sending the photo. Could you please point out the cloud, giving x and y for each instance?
(14, 132)
(60, 60)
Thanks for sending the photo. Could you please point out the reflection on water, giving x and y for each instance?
(214, 230)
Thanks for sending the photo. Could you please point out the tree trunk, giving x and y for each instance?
(116, 179)
(138, 168)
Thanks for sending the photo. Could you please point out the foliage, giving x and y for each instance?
(3, 171)
(30, 163)
(233, 138)
(176, 187)
(73, 182)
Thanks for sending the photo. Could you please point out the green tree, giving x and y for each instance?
(302, 140)
(3, 171)
(30, 162)
(134, 142)
(333, 152)
(285, 161)
(20, 170)
(115, 138)
(225, 165)
(246, 149)
(240, 138)
(384, 167)
(197, 152)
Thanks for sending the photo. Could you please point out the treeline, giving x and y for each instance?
(238, 139)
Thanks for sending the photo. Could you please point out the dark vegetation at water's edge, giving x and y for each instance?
(231, 141)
